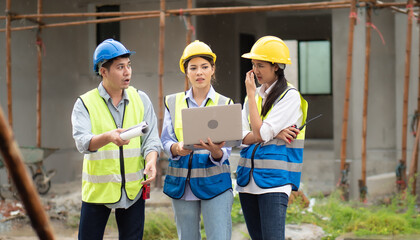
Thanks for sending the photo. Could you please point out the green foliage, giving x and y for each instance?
(336, 217)
(159, 226)
(202, 230)
(237, 215)
(73, 221)
(399, 216)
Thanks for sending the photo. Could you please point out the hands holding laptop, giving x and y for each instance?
(214, 148)
(178, 149)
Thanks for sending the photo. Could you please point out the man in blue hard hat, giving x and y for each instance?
(114, 170)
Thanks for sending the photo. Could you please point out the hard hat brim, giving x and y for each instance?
(182, 61)
(96, 67)
(263, 58)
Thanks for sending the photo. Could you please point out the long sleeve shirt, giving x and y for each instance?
(168, 137)
(284, 114)
(82, 131)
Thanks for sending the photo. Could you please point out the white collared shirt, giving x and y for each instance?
(285, 113)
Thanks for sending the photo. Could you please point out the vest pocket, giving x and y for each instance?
(272, 179)
(242, 177)
(207, 181)
(172, 180)
(272, 152)
(240, 170)
(274, 174)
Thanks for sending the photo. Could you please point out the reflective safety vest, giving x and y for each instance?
(275, 163)
(112, 168)
(206, 179)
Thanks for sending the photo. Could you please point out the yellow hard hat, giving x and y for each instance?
(269, 49)
(195, 48)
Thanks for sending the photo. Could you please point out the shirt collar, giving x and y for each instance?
(104, 94)
(211, 94)
(264, 92)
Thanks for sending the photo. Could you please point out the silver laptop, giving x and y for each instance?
(219, 123)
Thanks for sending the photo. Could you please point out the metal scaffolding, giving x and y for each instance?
(10, 150)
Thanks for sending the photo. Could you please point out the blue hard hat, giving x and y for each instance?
(106, 50)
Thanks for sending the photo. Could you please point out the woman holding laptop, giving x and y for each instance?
(271, 163)
(198, 181)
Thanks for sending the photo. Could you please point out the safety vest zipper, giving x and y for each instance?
(122, 168)
(190, 165)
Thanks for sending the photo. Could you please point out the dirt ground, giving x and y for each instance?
(62, 204)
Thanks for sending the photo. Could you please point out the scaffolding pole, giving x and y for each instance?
(9, 63)
(344, 166)
(134, 15)
(188, 39)
(39, 84)
(412, 176)
(76, 23)
(161, 60)
(202, 11)
(190, 11)
(362, 182)
(403, 161)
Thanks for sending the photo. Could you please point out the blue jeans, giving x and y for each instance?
(216, 217)
(93, 219)
(265, 215)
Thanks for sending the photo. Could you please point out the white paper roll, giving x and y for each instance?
(135, 131)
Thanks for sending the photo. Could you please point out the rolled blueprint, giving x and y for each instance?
(135, 131)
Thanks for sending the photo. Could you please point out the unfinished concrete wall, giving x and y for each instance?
(401, 20)
(67, 71)
(65, 75)
(307, 26)
(385, 93)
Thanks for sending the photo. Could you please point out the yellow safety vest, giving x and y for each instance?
(109, 169)
(258, 100)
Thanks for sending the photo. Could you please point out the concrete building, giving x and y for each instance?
(67, 73)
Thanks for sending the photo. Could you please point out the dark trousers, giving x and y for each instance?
(265, 215)
(93, 219)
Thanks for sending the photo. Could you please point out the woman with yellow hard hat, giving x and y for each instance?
(270, 164)
(198, 181)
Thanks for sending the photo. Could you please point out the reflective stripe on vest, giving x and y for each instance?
(199, 172)
(103, 170)
(274, 163)
(206, 179)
